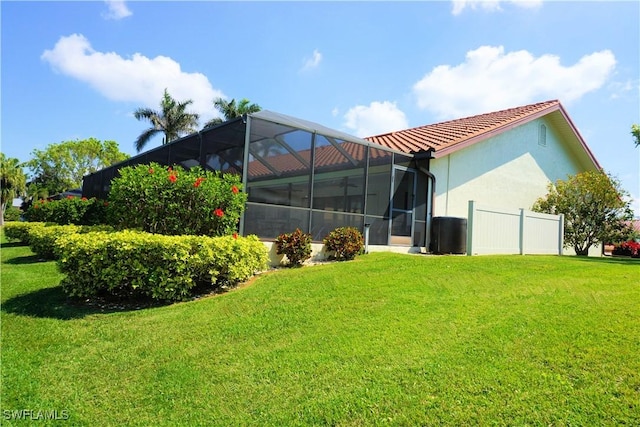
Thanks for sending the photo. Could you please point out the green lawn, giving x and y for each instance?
(383, 340)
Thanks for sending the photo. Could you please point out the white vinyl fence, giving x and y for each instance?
(513, 231)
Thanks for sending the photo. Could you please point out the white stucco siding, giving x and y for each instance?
(509, 170)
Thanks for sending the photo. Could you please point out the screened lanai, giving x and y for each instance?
(300, 174)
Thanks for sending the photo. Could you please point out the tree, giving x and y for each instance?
(595, 208)
(60, 167)
(635, 131)
(231, 110)
(12, 182)
(173, 120)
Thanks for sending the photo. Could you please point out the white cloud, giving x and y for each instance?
(620, 89)
(377, 118)
(313, 61)
(489, 80)
(117, 10)
(491, 5)
(135, 79)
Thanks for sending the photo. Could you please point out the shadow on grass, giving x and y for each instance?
(16, 244)
(27, 259)
(53, 303)
(610, 260)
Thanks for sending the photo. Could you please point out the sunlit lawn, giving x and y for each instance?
(382, 340)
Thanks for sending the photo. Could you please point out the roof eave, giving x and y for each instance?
(579, 137)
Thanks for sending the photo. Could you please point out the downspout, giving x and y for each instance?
(432, 177)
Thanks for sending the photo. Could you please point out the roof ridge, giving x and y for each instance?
(469, 118)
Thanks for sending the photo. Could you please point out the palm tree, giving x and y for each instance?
(173, 121)
(12, 182)
(230, 110)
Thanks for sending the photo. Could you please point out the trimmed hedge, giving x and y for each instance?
(132, 263)
(42, 240)
(18, 230)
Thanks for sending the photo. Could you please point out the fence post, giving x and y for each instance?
(522, 235)
(560, 234)
(470, 215)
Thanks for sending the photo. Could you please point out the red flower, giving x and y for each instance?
(84, 199)
(106, 203)
(173, 178)
(234, 190)
(70, 197)
(219, 213)
(150, 170)
(235, 235)
(198, 182)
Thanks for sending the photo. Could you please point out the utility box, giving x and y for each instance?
(449, 235)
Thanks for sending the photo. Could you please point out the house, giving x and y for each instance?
(300, 174)
(504, 158)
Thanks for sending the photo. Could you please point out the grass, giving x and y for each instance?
(383, 340)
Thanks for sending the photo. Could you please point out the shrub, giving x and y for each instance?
(345, 243)
(132, 263)
(296, 246)
(42, 240)
(71, 210)
(39, 211)
(20, 230)
(630, 248)
(175, 201)
(12, 213)
(232, 258)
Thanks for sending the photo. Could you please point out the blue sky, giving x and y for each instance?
(74, 70)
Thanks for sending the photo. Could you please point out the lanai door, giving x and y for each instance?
(402, 206)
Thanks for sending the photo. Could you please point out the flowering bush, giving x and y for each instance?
(345, 242)
(630, 248)
(296, 246)
(175, 200)
(70, 210)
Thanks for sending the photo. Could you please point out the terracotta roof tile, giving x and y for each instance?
(448, 134)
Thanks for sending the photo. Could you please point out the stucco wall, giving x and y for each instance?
(318, 253)
(509, 170)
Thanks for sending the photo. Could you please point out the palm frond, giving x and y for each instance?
(213, 122)
(173, 120)
(144, 138)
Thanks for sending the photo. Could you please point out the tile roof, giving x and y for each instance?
(450, 135)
